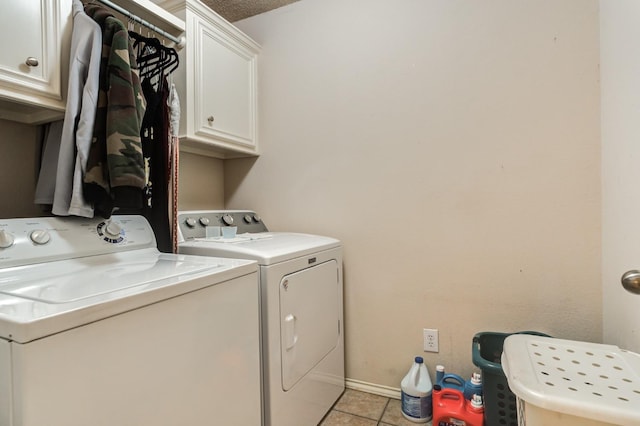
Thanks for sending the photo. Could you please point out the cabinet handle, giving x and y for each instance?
(210, 119)
(31, 61)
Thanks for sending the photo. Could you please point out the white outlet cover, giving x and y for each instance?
(430, 340)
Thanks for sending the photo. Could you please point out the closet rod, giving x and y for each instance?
(179, 41)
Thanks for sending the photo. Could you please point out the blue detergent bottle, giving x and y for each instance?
(473, 386)
(449, 380)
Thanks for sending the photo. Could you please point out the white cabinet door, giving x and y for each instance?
(27, 22)
(226, 90)
(217, 84)
(35, 36)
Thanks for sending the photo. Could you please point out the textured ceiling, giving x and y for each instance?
(235, 10)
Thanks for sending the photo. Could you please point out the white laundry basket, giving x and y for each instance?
(564, 382)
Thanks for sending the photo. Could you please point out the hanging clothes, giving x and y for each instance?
(174, 111)
(156, 62)
(155, 146)
(77, 132)
(115, 176)
(67, 143)
(46, 185)
(174, 130)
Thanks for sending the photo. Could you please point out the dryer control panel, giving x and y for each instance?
(193, 223)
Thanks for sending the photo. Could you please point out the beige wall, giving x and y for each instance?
(19, 164)
(453, 146)
(201, 182)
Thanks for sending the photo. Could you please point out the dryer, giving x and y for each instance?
(97, 327)
(302, 309)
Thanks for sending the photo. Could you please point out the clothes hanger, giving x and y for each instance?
(167, 63)
(149, 54)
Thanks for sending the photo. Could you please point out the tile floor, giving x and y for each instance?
(355, 408)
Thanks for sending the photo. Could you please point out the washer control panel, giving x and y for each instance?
(193, 223)
(43, 239)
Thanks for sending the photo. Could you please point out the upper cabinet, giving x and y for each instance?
(34, 63)
(35, 36)
(217, 84)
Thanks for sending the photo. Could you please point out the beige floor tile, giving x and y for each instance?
(393, 415)
(338, 418)
(362, 404)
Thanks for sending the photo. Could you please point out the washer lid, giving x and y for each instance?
(41, 299)
(267, 248)
(79, 279)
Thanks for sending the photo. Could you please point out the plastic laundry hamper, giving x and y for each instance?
(564, 382)
(499, 402)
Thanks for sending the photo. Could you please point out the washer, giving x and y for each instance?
(99, 328)
(302, 309)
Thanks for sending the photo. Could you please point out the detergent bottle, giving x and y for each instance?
(473, 386)
(416, 393)
(439, 374)
(450, 408)
(449, 380)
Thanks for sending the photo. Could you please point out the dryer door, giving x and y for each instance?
(309, 327)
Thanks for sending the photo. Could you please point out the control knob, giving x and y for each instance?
(112, 229)
(227, 219)
(256, 218)
(204, 221)
(40, 236)
(247, 218)
(6, 239)
(190, 222)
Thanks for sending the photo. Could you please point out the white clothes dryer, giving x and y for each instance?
(302, 310)
(97, 327)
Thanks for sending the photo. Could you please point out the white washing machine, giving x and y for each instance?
(99, 328)
(302, 310)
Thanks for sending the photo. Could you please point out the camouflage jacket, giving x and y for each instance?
(115, 173)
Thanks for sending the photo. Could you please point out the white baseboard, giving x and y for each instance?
(373, 388)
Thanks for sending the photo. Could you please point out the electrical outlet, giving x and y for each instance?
(430, 339)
